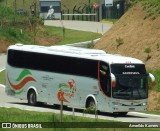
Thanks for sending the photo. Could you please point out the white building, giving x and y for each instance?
(44, 6)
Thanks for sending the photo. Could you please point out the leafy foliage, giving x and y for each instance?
(148, 51)
(151, 6)
(119, 41)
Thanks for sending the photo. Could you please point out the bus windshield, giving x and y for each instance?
(131, 81)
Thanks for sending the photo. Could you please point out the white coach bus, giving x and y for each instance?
(78, 77)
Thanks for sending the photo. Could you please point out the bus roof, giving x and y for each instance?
(77, 52)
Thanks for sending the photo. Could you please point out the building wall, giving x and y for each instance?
(44, 6)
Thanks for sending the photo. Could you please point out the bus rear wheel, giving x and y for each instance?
(32, 99)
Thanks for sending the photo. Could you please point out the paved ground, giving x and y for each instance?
(80, 25)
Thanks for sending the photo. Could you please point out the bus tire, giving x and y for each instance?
(32, 98)
(90, 103)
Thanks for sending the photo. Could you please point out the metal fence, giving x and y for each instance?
(84, 14)
(113, 12)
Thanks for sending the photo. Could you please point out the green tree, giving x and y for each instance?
(6, 14)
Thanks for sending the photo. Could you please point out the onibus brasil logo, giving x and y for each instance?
(24, 77)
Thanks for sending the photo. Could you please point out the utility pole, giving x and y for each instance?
(89, 3)
(89, 6)
(23, 5)
(15, 9)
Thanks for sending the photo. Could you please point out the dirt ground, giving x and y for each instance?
(136, 32)
(4, 45)
(154, 101)
(41, 40)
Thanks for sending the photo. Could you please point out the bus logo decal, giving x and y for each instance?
(23, 79)
(66, 91)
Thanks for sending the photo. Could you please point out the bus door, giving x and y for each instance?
(104, 81)
(104, 74)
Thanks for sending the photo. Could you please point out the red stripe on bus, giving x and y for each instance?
(22, 83)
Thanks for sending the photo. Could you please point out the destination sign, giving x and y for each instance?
(128, 69)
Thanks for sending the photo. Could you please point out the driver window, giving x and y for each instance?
(104, 68)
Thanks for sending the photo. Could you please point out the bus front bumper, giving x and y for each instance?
(129, 107)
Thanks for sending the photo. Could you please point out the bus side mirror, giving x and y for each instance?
(113, 80)
(152, 79)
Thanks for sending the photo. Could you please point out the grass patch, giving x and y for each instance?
(151, 6)
(69, 36)
(17, 115)
(156, 74)
(17, 34)
(10, 114)
(2, 77)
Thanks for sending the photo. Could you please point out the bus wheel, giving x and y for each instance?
(90, 105)
(32, 99)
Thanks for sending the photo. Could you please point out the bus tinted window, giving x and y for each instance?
(53, 63)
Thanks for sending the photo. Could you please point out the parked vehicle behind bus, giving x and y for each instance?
(79, 77)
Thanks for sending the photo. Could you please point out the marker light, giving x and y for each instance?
(113, 79)
(152, 79)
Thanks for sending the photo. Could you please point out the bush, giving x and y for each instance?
(119, 41)
(148, 51)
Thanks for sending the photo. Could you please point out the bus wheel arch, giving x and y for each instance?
(91, 100)
(32, 97)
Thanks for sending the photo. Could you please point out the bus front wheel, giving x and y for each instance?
(32, 99)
